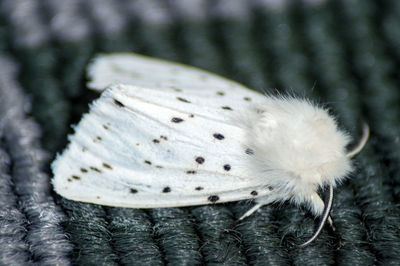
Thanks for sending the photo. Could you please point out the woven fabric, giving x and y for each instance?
(344, 54)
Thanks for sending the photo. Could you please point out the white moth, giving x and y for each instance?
(164, 134)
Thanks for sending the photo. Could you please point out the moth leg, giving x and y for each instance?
(318, 206)
(261, 201)
(251, 211)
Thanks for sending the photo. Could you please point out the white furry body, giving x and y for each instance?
(168, 135)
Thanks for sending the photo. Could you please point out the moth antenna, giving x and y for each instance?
(330, 221)
(325, 217)
(251, 211)
(362, 142)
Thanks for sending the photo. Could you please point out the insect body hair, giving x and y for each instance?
(298, 147)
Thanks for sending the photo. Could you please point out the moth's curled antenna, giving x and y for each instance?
(361, 143)
(324, 218)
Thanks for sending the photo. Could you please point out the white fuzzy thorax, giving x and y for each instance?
(297, 147)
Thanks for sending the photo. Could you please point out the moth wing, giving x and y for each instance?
(158, 74)
(130, 151)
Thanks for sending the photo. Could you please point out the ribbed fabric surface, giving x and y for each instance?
(344, 54)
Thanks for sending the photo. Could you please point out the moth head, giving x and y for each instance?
(302, 144)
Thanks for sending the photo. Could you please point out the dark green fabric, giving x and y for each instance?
(342, 54)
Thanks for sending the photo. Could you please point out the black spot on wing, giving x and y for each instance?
(226, 108)
(220, 93)
(147, 162)
(191, 172)
(118, 103)
(99, 138)
(248, 99)
(200, 160)
(249, 151)
(84, 170)
(133, 191)
(213, 198)
(254, 193)
(199, 188)
(76, 177)
(166, 190)
(270, 188)
(156, 141)
(227, 167)
(183, 100)
(95, 169)
(218, 136)
(177, 120)
(163, 137)
(106, 165)
(105, 127)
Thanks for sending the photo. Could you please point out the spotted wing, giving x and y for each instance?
(145, 148)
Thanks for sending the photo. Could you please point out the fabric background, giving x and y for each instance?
(344, 54)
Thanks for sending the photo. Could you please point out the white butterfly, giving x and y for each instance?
(164, 134)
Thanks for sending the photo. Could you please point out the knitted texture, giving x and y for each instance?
(344, 54)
